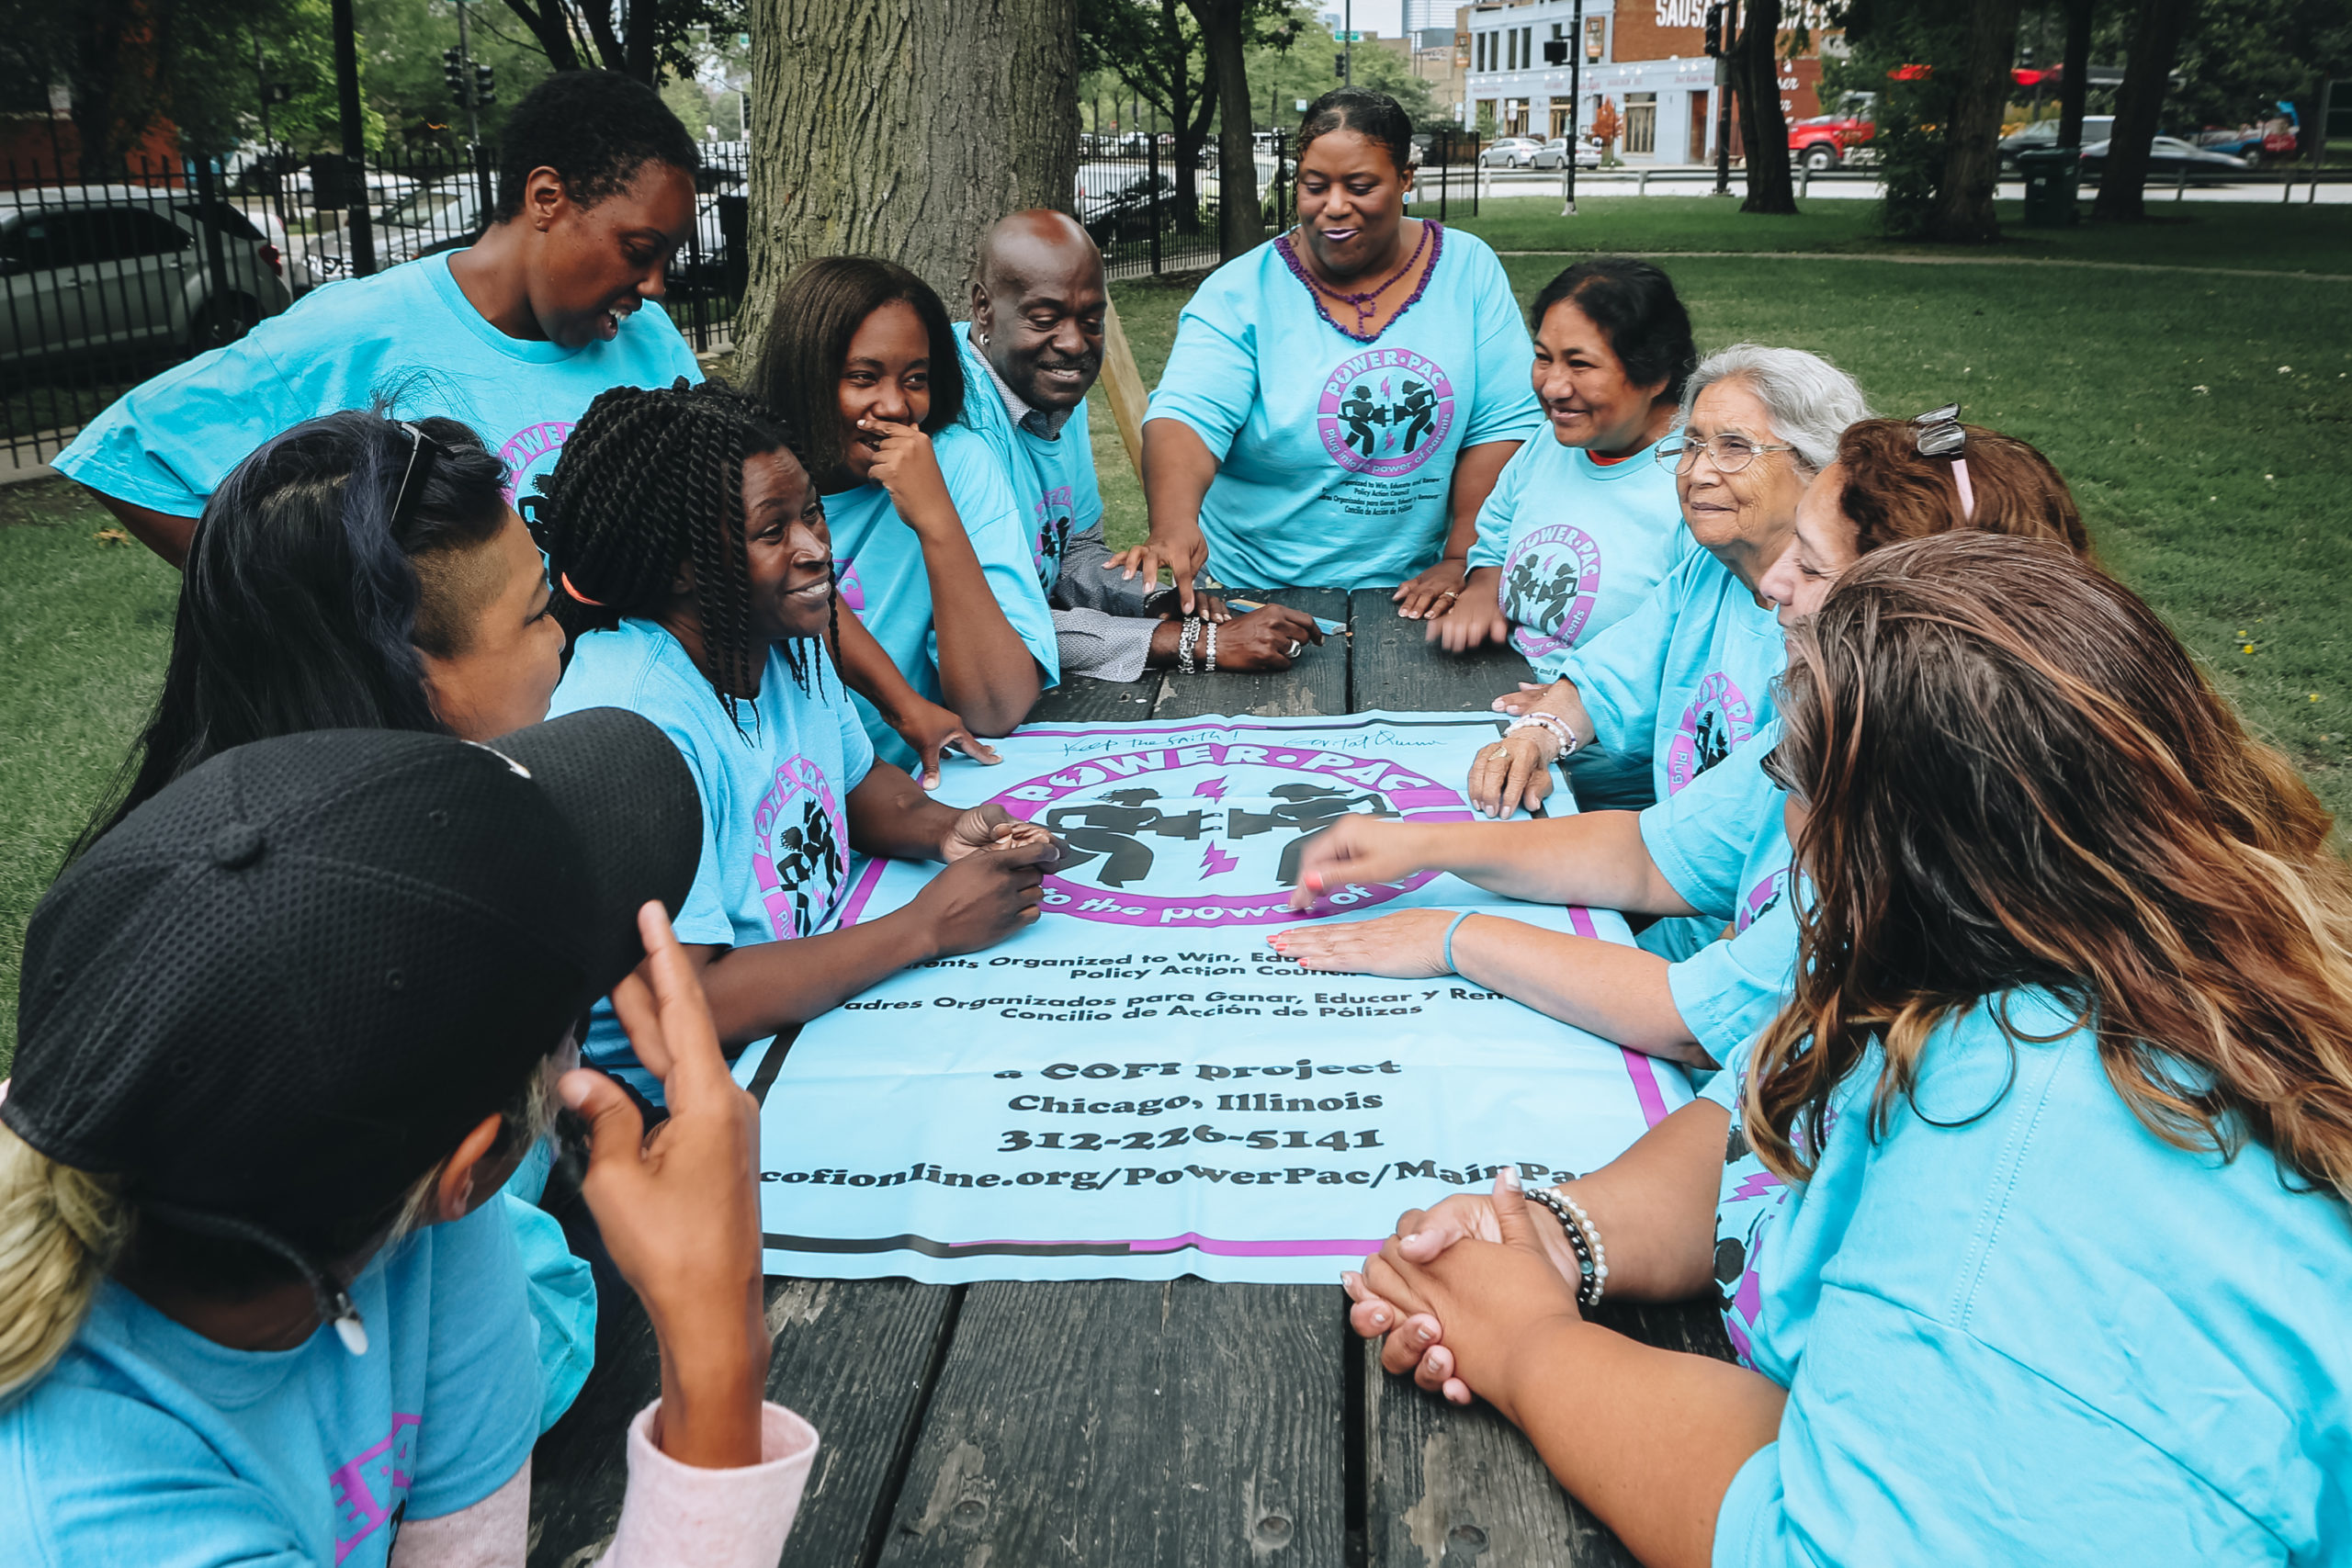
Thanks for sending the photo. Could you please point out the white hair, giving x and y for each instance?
(1809, 400)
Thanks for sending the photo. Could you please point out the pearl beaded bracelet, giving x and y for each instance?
(1584, 1240)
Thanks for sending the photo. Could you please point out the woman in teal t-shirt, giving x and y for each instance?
(1580, 528)
(2038, 1190)
(1715, 850)
(1339, 400)
(948, 636)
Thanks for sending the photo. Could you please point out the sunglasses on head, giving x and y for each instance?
(1940, 434)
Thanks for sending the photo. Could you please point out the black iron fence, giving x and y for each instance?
(112, 273)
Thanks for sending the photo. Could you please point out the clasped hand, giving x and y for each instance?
(1460, 1289)
(993, 883)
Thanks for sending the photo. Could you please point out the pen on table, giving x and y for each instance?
(1326, 627)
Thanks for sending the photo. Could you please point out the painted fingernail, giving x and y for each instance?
(1509, 1174)
(1380, 1320)
(1423, 1334)
(1409, 1238)
(1350, 1279)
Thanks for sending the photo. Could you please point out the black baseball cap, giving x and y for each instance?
(283, 989)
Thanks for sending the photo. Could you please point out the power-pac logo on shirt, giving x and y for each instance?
(530, 452)
(1051, 540)
(1718, 719)
(369, 1491)
(851, 587)
(1210, 835)
(1760, 900)
(1551, 579)
(1385, 412)
(799, 832)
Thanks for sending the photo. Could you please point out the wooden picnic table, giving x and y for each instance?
(1122, 1424)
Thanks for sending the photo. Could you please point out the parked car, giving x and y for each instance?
(2044, 133)
(1510, 153)
(1553, 153)
(2266, 143)
(125, 269)
(446, 214)
(2171, 158)
(1114, 199)
(1831, 141)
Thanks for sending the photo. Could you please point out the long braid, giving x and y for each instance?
(648, 481)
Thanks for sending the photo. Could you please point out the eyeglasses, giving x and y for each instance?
(1729, 454)
(1940, 434)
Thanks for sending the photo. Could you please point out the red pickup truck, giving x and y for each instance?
(1829, 140)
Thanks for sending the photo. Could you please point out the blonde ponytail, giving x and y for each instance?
(60, 1228)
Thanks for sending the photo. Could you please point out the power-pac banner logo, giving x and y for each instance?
(1156, 837)
(1385, 412)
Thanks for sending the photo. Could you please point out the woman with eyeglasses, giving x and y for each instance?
(1715, 853)
(2035, 1195)
(1685, 678)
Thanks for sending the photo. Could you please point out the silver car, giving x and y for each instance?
(1509, 153)
(106, 269)
(1553, 153)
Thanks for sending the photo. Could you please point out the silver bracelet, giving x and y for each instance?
(1185, 644)
(1553, 724)
(1211, 653)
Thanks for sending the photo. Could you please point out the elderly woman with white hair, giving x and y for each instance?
(1688, 676)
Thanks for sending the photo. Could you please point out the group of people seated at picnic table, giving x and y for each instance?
(530, 694)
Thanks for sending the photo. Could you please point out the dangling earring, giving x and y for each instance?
(984, 340)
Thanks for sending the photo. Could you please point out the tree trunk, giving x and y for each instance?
(598, 16)
(1240, 226)
(902, 132)
(1964, 210)
(2073, 86)
(1756, 72)
(2158, 28)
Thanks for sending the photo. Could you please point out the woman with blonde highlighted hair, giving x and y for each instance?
(2055, 1139)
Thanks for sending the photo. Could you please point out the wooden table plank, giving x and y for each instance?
(1394, 667)
(1083, 699)
(855, 1356)
(1131, 1425)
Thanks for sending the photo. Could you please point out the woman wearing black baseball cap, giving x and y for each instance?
(283, 1031)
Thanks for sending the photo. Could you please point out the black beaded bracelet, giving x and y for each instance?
(1590, 1265)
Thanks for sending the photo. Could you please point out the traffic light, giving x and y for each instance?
(1339, 65)
(453, 71)
(1714, 30)
(1556, 51)
(485, 86)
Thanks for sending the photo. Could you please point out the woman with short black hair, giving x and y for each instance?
(1339, 400)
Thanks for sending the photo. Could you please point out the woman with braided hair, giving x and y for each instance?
(695, 574)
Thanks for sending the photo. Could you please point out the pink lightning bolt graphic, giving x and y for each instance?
(1214, 789)
(1214, 861)
(1756, 1186)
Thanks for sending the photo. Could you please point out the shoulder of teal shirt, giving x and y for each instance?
(1701, 836)
(1618, 673)
(1498, 512)
(2059, 1293)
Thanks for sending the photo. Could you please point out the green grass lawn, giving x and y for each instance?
(2203, 420)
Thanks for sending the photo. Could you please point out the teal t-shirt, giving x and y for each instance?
(2016, 1325)
(1685, 677)
(407, 334)
(774, 792)
(1581, 544)
(1722, 844)
(1053, 480)
(878, 561)
(1336, 454)
(148, 1444)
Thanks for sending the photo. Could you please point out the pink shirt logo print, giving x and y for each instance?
(1718, 719)
(369, 1491)
(1551, 581)
(1385, 412)
(798, 830)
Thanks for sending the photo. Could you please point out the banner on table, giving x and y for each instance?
(1137, 1087)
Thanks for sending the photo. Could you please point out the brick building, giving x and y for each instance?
(1647, 57)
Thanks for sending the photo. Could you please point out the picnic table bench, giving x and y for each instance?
(1123, 1423)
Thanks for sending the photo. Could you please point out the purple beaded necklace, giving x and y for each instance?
(1366, 302)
